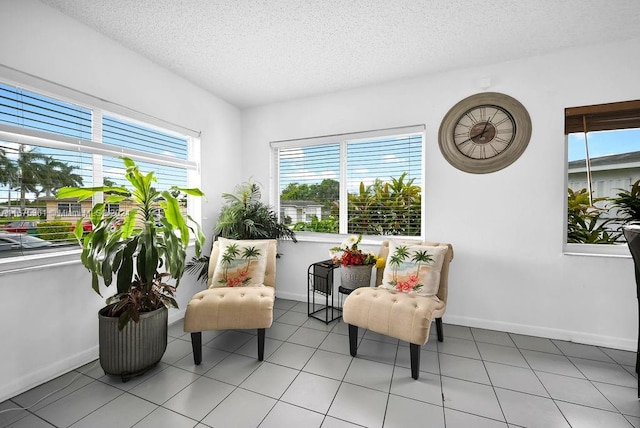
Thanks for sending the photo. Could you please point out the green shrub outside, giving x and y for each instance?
(55, 231)
(327, 225)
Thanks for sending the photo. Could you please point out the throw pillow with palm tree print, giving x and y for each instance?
(240, 263)
(413, 268)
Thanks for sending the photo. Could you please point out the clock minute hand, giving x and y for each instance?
(484, 129)
(471, 138)
(487, 123)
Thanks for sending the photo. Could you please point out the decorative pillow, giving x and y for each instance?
(240, 263)
(414, 268)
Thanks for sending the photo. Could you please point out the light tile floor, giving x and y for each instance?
(475, 378)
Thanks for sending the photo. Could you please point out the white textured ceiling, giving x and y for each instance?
(254, 52)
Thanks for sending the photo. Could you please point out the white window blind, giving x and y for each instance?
(389, 172)
(47, 143)
(366, 183)
(30, 110)
(122, 133)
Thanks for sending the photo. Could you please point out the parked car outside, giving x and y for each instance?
(86, 226)
(21, 226)
(21, 241)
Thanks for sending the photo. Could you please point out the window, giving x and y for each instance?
(112, 209)
(603, 152)
(47, 143)
(366, 183)
(69, 209)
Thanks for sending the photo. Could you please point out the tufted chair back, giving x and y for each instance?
(444, 273)
(270, 272)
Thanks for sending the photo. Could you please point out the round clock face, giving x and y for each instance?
(485, 132)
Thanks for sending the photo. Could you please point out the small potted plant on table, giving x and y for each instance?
(355, 264)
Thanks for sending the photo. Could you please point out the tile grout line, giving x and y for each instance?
(495, 393)
(592, 384)
(442, 397)
(236, 387)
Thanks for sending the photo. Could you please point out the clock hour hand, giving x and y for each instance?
(470, 138)
(484, 129)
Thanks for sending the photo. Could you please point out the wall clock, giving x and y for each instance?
(485, 132)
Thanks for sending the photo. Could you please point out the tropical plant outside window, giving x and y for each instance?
(47, 143)
(364, 184)
(603, 171)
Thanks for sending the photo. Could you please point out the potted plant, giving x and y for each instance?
(244, 216)
(142, 254)
(627, 202)
(356, 265)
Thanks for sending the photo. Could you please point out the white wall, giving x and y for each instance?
(509, 271)
(48, 317)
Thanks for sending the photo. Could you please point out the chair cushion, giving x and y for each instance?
(227, 308)
(414, 268)
(400, 315)
(240, 263)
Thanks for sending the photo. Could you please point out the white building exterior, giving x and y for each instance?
(293, 212)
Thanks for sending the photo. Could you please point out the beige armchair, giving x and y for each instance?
(223, 308)
(403, 316)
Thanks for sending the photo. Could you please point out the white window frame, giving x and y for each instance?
(99, 108)
(587, 250)
(343, 140)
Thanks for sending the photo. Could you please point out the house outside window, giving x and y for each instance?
(603, 153)
(66, 209)
(367, 183)
(112, 209)
(47, 142)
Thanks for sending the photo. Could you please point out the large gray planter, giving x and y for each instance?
(136, 348)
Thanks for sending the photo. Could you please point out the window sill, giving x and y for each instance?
(336, 239)
(11, 265)
(17, 264)
(596, 250)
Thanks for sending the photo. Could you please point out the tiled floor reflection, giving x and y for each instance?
(475, 378)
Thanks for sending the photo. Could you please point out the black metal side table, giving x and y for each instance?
(343, 292)
(320, 287)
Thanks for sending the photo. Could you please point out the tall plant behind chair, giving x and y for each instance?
(244, 216)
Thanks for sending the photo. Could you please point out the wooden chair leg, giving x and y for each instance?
(353, 339)
(196, 345)
(261, 332)
(415, 360)
(439, 329)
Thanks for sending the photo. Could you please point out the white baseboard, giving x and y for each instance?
(58, 368)
(45, 374)
(529, 330)
(291, 296)
(176, 315)
(550, 333)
